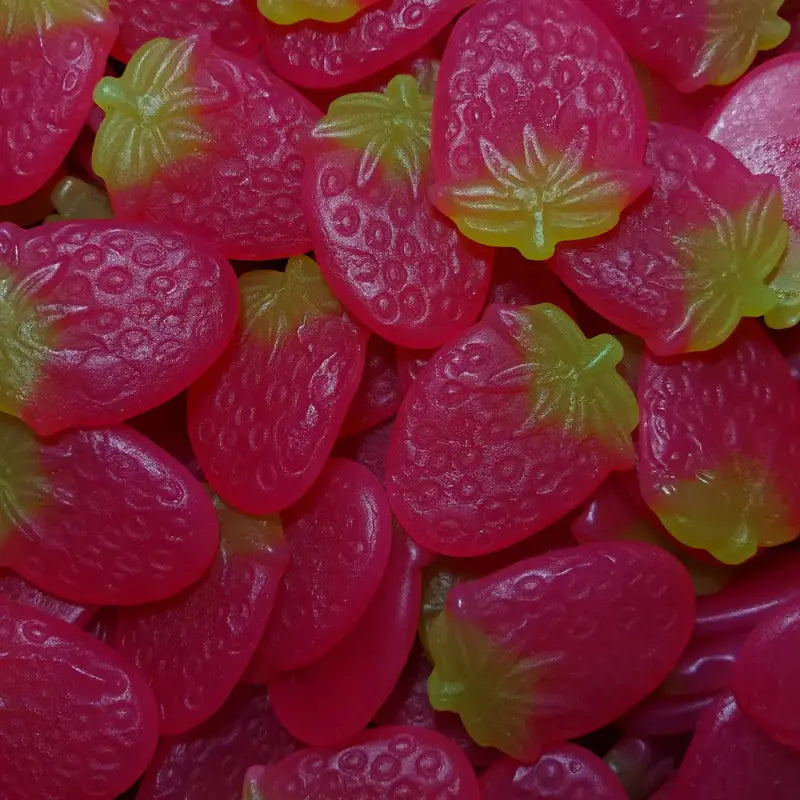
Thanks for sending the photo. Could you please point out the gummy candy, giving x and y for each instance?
(383, 762)
(18, 590)
(194, 647)
(76, 199)
(506, 429)
(717, 39)
(368, 448)
(35, 207)
(643, 764)
(392, 259)
(339, 536)
(564, 772)
(409, 365)
(266, 416)
(693, 256)
(719, 454)
(78, 722)
(110, 318)
(334, 698)
(539, 126)
(559, 645)
(101, 516)
(667, 716)
(286, 12)
(206, 142)
(52, 52)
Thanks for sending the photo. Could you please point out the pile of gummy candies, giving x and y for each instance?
(399, 400)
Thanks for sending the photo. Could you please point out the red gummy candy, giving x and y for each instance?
(564, 772)
(206, 142)
(18, 590)
(110, 318)
(339, 537)
(210, 762)
(78, 722)
(368, 448)
(539, 126)
(559, 645)
(667, 716)
(410, 364)
(336, 697)
(266, 416)
(506, 429)
(381, 763)
(51, 56)
(692, 257)
(101, 516)
(233, 24)
(719, 446)
(318, 55)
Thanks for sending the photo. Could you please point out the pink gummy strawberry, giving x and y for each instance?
(539, 126)
(109, 318)
(368, 448)
(100, 516)
(233, 24)
(334, 698)
(286, 12)
(718, 38)
(265, 418)
(339, 536)
(506, 429)
(205, 141)
(18, 590)
(78, 722)
(209, 762)
(52, 53)
(693, 256)
(321, 56)
(395, 262)
(410, 364)
(390, 762)
(563, 772)
(731, 758)
(719, 446)
(559, 645)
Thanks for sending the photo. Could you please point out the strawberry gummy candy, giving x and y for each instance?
(17, 589)
(101, 516)
(507, 429)
(266, 416)
(692, 257)
(539, 126)
(287, 12)
(206, 142)
(110, 318)
(383, 762)
(719, 446)
(559, 645)
(78, 722)
(52, 53)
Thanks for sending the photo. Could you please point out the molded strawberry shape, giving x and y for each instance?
(266, 416)
(18, 590)
(559, 645)
(287, 12)
(110, 318)
(206, 142)
(393, 260)
(100, 516)
(52, 53)
(539, 126)
(507, 429)
(79, 722)
(692, 257)
(719, 452)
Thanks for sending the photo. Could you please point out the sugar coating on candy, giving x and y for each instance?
(233, 24)
(205, 141)
(100, 516)
(506, 429)
(339, 537)
(718, 38)
(266, 416)
(320, 56)
(539, 126)
(18, 590)
(719, 455)
(565, 772)
(79, 722)
(557, 646)
(51, 55)
(287, 12)
(692, 257)
(111, 318)
(389, 255)
(382, 762)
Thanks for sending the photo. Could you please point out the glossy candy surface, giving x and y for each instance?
(286, 12)
(16, 589)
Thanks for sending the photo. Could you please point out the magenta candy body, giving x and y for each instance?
(368, 448)
(16, 589)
